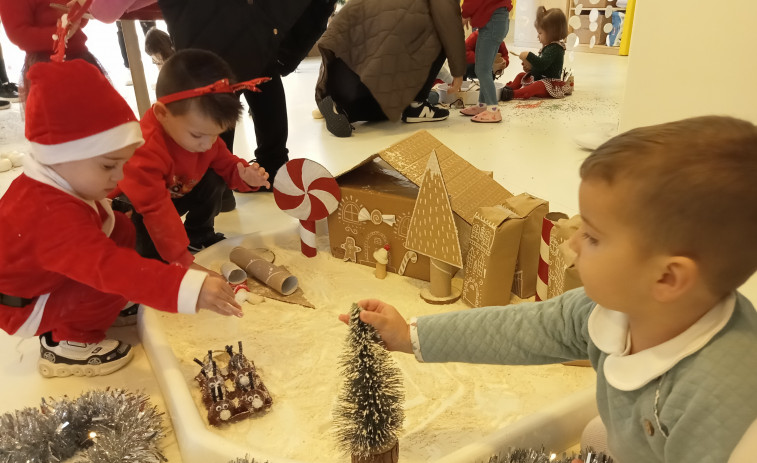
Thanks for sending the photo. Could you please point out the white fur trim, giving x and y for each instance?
(31, 325)
(88, 147)
(189, 291)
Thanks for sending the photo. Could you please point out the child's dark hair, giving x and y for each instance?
(690, 190)
(192, 68)
(553, 22)
(158, 43)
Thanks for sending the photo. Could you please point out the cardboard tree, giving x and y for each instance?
(433, 233)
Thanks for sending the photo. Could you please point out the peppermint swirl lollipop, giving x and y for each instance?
(307, 191)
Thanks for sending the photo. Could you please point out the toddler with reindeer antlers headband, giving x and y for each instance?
(184, 167)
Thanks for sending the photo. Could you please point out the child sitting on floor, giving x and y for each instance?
(543, 76)
(184, 167)
(669, 220)
(67, 263)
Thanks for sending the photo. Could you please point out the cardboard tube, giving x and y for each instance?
(257, 267)
(233, 273)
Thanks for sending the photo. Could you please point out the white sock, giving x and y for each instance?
(415, 104)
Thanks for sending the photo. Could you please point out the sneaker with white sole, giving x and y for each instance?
(9, 92)
(425, 112)
(82, 359)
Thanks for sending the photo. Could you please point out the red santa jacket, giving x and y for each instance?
(60, 240)
(470, 49)
(160, 170)
(30, 24)
(480, 11)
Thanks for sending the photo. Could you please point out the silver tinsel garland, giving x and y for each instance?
(108, 426)
(519, 455)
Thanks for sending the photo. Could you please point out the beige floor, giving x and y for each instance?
(531, 151)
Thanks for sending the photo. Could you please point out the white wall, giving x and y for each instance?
(691, 58)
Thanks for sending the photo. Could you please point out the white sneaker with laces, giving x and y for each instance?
(82, 359)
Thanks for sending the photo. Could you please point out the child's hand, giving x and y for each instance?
(199, 267)
(523, 56)
(526, 66)
(216, 295)
(254, 175)
(394, 330)
(457, 83)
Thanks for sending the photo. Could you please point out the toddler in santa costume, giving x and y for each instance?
(67, 263)
(184, 167)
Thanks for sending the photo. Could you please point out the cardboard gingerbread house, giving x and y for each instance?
(379, 194)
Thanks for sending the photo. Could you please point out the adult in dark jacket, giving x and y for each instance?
(257, 38)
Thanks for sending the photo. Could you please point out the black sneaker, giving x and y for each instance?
(82, 359)
(9, 92)
(228, 202)
(127, 317)
(507, 94)
(336, 120)
(5, 105)
(206, 242)
(424, 113)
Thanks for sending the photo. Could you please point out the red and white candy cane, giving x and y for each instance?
(542, 282)
(307, 191)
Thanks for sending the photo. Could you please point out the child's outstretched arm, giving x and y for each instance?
(217, 296)
(394, 330)
(253, 175)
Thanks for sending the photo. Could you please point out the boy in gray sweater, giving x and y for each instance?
(669, 218)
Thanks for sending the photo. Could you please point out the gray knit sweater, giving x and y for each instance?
(707, 399)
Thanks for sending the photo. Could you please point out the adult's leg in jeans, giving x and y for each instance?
(268, 109)
(432, 73)
(489, 38)
(122, 44)
(202, 205)
(351, 95)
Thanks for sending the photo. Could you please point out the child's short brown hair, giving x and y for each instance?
(191, 68)
(553, 22)
(692, 191)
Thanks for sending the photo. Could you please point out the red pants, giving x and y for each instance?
(80, 313)
(524, 92)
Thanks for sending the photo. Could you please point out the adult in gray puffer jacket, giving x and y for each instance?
(380, 59)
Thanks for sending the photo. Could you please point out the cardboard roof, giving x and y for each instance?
(469, 188)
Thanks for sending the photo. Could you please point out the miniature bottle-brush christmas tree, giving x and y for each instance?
(369, 412)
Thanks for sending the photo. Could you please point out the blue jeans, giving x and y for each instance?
(487, 46)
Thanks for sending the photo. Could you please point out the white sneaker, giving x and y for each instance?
(82, 359)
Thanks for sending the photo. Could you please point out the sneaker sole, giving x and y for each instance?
(49, 369)
(12, 100)
(424, 119)
(336, 123)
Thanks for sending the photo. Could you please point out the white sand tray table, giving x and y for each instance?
(454, 412)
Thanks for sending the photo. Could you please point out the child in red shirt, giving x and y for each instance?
(184, 167)
(67, 263)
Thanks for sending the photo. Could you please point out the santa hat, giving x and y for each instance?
(74, 113)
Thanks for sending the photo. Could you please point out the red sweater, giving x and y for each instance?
(480, 11)
(49, 239)
(30, 24)
(470, 49)
(160, 170)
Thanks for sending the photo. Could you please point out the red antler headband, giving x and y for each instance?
(221, 86)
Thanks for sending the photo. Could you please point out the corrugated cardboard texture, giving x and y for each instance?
(563, 275)
(533, 209)
(490, 265)
(389, 186)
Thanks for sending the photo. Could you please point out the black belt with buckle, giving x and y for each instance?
(14, 301)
